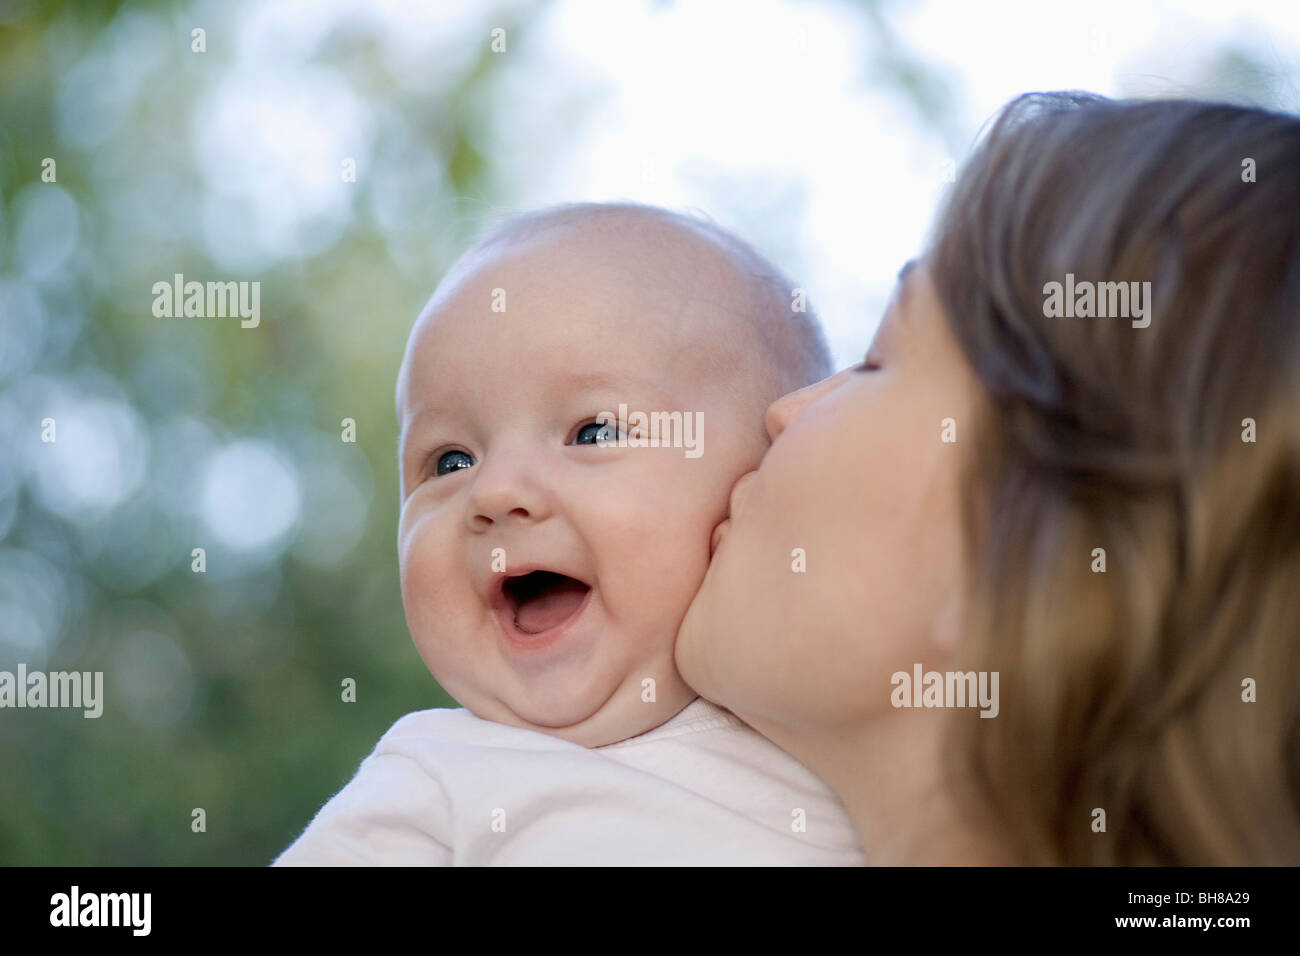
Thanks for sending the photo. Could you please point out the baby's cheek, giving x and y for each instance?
(426, 573)
(682, 556)
(655, 533)
(412, 563)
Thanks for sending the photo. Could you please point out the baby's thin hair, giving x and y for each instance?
(793, 336)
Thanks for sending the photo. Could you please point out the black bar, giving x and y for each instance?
(216, 906)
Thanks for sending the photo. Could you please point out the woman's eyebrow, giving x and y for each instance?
(903, 290)
(908, 266)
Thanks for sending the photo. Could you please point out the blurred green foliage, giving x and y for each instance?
(254, 730)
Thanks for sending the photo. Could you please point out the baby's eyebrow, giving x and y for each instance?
(604, 380)
(576, 380)
(422, 403)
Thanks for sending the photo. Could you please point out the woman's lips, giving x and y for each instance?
(738, 492)
(723, 526)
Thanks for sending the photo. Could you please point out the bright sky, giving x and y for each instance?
(768, 115)
(761, 118)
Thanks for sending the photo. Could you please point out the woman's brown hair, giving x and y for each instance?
(1163, 690)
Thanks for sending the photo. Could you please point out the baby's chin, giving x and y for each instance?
(632, 707)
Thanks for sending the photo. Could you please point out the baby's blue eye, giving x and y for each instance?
(596, 433)
(453, 461)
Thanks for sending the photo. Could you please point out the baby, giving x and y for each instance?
(558, 498)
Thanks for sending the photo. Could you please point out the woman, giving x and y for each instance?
(1095, 514)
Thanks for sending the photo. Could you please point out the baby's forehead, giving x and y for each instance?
(588, 278)
(643, 299)
(643, 250)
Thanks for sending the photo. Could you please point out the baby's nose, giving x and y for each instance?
(505, 489)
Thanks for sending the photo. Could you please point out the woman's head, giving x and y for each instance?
(840, 558)
(1171, 450)
(1162, 445)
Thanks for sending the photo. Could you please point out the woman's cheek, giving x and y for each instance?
(764, 564)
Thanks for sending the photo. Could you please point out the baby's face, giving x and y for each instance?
(544, 575)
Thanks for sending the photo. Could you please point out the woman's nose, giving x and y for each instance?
(781, 412)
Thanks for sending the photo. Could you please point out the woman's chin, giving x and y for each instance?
(691, 649)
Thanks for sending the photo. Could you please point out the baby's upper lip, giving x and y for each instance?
(497, 597)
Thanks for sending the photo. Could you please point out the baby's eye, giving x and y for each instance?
(596, 433)
(453, 461)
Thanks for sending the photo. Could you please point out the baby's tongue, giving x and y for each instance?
(551, 607)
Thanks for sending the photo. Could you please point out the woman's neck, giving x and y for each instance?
(889, 775)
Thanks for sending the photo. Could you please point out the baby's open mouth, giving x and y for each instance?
(542, 600)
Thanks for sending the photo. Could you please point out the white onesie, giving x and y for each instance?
(444, 787)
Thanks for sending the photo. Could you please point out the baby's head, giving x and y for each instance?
(546, 564)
